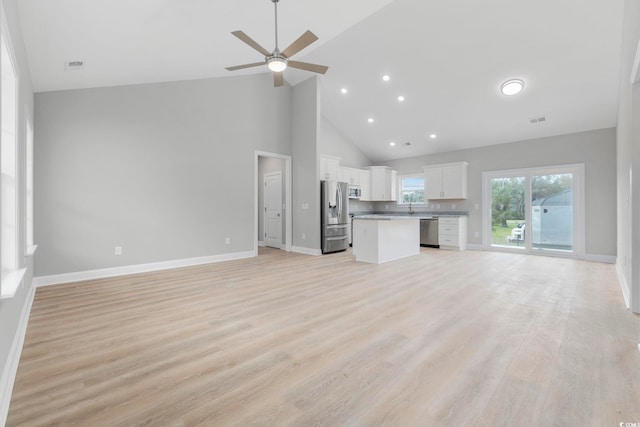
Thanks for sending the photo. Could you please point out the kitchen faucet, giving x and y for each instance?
(411, 211)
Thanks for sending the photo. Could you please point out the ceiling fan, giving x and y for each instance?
(278, 61)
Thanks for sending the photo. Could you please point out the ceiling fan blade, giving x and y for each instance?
(320, 69)
(251, 42)
(303, 41)
(278, 79)
(240, 67)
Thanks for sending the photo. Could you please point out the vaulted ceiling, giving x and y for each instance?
(447, 58)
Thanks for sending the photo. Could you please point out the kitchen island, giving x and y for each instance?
(382, 238)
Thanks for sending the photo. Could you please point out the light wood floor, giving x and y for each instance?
(442, 338)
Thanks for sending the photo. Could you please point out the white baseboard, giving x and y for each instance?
(600, 258)
(11, 366)
(587, 257)
(58, 279)
(261, 244)
(306, 251)
(624, 286)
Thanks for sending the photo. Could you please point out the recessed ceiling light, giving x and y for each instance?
(386, 77)
(344, 90)
(401, 98)
(370, 120)
(393, 144)
(433, 136)
(511, 87)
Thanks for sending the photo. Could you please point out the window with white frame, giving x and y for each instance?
(29, 185)
(9, 177)
(411, 189)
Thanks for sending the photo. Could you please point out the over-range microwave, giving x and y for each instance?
(355, 191)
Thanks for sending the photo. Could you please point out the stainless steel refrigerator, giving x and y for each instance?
(334, 210)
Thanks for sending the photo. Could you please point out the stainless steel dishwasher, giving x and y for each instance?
(429, 232)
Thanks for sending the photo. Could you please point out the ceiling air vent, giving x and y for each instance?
(74, 65)
(406, 144)
(539, 119)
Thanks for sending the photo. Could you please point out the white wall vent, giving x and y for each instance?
(539, 119)
(74, 65)
(406, 144)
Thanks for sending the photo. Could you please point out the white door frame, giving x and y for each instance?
(287, 198)
(578, 202)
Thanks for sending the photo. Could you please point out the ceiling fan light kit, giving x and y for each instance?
(277, 64)
(278, 61)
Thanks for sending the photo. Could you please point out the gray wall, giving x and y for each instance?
(163, 170)
(266, 165)
(306, 184)
(336, 144)
(11, 309)
(628, 158)
(596, 149)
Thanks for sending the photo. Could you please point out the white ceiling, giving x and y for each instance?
(448, 58)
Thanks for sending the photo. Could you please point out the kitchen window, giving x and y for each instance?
(411, 189)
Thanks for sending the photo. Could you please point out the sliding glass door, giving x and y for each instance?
(552, 212)
(538, 210)
(508, 211)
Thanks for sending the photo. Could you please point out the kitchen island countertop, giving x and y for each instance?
(378, 217)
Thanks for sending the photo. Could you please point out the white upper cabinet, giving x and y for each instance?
(383, 183)
(446, 181)
(329, 168)
(365, 185)
(349, 175)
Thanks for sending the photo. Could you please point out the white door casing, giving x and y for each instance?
(273, 209)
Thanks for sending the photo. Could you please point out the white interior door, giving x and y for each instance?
(273, 209)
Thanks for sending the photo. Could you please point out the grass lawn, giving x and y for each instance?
(499, 234)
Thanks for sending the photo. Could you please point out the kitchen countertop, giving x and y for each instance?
(421, 215)
(378, 217)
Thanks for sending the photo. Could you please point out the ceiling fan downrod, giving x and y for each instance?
(275, 6)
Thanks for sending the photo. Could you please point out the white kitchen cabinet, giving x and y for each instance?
(383, 183)
(394, 185)
(365, 185)
(452, 233)
(349, 175)
(329, 168)
(446, 181)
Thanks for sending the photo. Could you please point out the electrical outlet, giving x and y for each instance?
(453, 206)
(227, 240)
(476, 206)
(118, 250)
(476, 234)
(437, 205)
(304, 236)
(386, 207)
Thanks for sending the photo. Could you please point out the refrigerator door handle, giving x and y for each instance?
(339, 201)
(337, 238)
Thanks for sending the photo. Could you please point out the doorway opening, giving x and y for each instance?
(273, 217)
(535, 210)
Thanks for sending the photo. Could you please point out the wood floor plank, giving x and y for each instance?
(441, 338)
